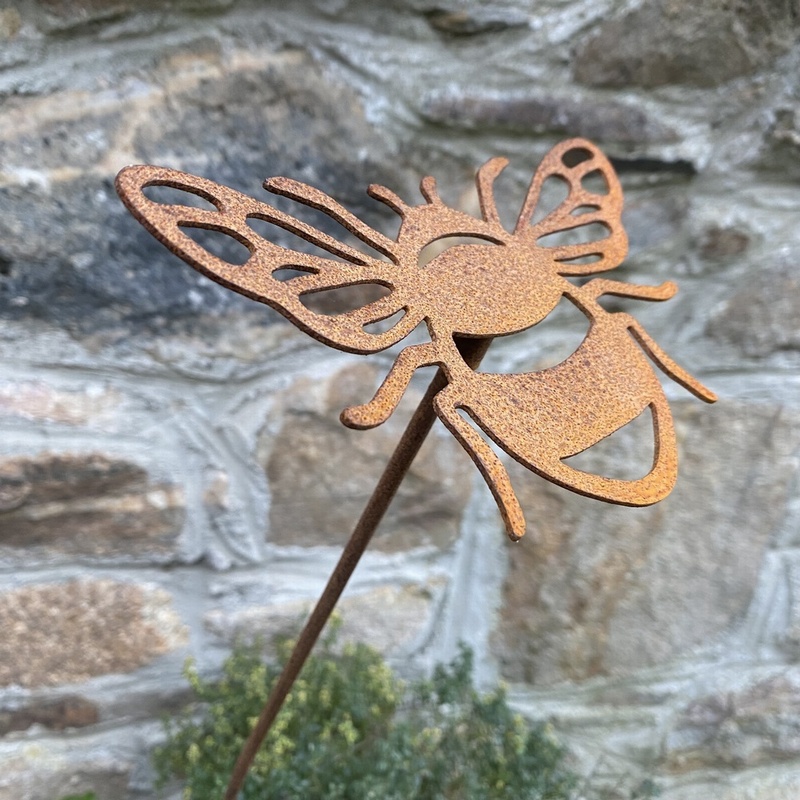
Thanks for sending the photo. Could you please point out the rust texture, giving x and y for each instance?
(507, 283)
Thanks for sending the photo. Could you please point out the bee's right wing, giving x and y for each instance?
(584, 233)
(256, 278)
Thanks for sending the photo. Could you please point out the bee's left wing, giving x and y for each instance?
(257, 278)
(584, 233)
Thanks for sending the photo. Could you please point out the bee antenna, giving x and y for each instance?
(428, 188)
(485, 183)
(388, 197)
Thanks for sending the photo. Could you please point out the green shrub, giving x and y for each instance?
(84, 796)
(349, 729)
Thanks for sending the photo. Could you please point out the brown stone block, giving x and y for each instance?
(663, 42)
(595, 589)
(10, 23)
(476, 21)
(38, 400)
(321, 474)
(749, 727)
(719, 243)
(608, 121)
(72, 711)
(56, 505)
(760, 317)
(60, 633)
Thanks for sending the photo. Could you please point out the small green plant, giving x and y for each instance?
(648, 789)
(349, 729)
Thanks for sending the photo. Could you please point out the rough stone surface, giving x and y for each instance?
(389, 619)
(37, 775)
(663, 42)
(719, 243)
(757, 725)
(275, 114)
(39, 401)
(10, 23)
(601, 590)
(604, 122)
(761, 319)
(476, 21)
(757, 784)
(159, 431)
(69, 632)
(781, 151)
(322, 474)
(85, 505)
(72, 711)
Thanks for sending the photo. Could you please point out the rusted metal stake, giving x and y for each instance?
(472, 350)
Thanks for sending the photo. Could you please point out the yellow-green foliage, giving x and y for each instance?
(350, 729)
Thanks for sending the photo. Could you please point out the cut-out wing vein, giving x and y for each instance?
(376, 311)
(255, 279)
(314, 198)
(330, 277)
(572, 162)
(313, 236)
(567, 221)
(568, 252)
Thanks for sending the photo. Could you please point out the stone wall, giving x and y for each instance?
(172, 470)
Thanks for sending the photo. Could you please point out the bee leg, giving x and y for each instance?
(394, 385)
(677, 373)
(494, 473)
(599, 286)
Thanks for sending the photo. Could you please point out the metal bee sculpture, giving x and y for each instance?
(467, 295)
(504, 286)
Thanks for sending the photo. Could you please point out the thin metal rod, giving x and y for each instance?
(472, 351)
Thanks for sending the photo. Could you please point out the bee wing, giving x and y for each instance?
(256, 277)
(589, 215)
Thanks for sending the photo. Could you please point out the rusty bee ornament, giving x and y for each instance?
(506, 283)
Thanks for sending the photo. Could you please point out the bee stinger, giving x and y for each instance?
(505, 284)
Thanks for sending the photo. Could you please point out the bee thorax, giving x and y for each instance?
(490, 290)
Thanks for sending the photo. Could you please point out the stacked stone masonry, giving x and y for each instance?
(173, 474)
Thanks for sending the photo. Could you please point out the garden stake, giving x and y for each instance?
(465, 296)
(407, 448)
